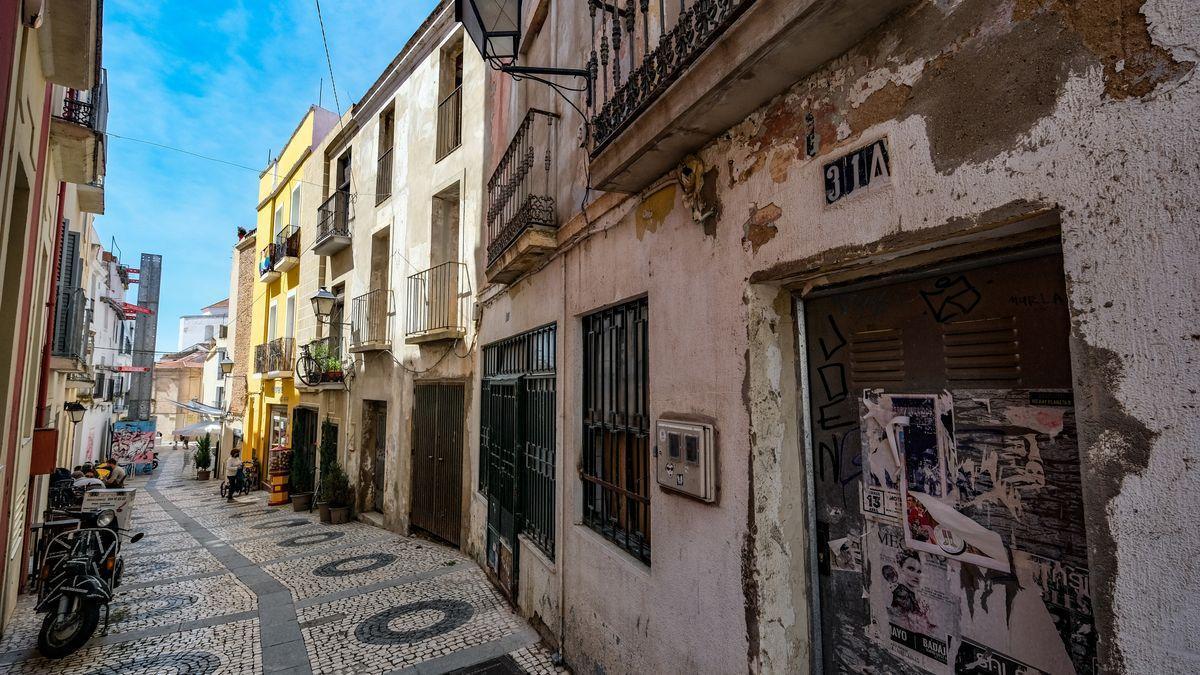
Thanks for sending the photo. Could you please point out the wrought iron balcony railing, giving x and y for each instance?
(72, 322)
(449, 123)
(519, 191)
(325, 366)
(287, 242)
(267, 259)
(439, 300)
(88, 107)
(640, 49)
(369, 316)
(274, 356)
(383, 177)
(333, 218)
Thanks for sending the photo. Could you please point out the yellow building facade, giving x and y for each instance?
(272, 395)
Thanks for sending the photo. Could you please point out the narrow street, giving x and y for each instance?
(242, 588)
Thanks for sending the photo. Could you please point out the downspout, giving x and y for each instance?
(51, 308)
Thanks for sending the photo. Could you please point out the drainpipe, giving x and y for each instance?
(51, 306)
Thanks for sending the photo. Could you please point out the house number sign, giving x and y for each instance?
(856, 171)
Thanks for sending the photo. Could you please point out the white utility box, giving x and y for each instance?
(686, 458)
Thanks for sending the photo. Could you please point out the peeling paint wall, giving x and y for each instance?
(996, 115)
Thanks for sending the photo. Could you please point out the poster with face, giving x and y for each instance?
(991, 561)
(913, 613)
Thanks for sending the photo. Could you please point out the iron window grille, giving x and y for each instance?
(518, 451)
(383, 177)
(616, 426)
(449, 127)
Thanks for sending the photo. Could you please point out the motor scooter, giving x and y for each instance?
(80, 570)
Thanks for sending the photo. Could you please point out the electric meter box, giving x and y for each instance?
(686, 458)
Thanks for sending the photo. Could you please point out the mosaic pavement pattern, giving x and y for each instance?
(244, 588)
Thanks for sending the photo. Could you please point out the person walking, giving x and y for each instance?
(233, 472)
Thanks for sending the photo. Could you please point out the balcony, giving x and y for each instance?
(79, 380)
(521, 221)
(325, 369)
(438, 304)
(369, 319)
(266, 263)
(273, 359)
(383, 178)
(333, 224)
(287, 248)
(72, 328)
(449, 124)
(77, 130)
(70, 41)
(665, 90)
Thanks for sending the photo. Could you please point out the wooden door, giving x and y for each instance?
(437, 459)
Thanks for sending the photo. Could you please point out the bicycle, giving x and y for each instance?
(321, 365)
(245, 483)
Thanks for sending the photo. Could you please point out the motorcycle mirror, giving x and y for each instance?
(137, 537)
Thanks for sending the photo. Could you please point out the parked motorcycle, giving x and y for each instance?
(80, 570)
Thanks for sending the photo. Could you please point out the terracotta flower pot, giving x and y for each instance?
(339, 515)
(202, 474)
(323, 509)
(302, 502)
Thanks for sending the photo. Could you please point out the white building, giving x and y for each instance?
(111, 337)
(202, 327)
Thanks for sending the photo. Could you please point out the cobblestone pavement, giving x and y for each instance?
(245, 588)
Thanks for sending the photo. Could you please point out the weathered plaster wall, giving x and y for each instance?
(411, 88)
(993, 111)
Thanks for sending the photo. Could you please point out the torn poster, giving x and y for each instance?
(931, 521)
(913, 613)
(845, 554)
(1005, 619)
(880, 457)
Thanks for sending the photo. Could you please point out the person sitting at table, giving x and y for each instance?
(86, 481)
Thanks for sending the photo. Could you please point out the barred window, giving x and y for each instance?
(517, 437)
(616, 426)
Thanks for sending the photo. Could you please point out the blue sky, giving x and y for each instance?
(228, 80)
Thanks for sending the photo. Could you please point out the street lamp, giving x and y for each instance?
(76, 410)
(495, 28)
(322, 302)
(226, 366)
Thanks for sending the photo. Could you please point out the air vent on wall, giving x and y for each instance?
(876, 358)
(982, 350)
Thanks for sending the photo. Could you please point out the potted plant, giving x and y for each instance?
(338, 494)
(203, 458)
(327, 458)
(300, 481)
(329, 363)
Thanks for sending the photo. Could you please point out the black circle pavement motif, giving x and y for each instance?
(377, 630)
(191, 663)
(271, 525)
(310, 539)
(158, 606)
(346, 566)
